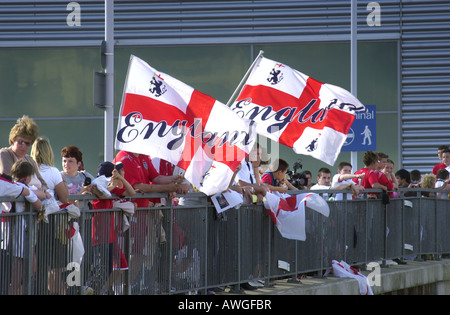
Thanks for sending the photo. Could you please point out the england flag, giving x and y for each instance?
(296, 110)
(288, 212)
(163, 117)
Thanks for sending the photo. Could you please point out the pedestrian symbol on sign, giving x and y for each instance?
(367, 136)
(362, 134)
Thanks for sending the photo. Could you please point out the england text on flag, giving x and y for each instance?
(163, 117)
(296, 110)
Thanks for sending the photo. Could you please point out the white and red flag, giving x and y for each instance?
(296, 110)
(343, 270)
(163, 117)
(288, 212)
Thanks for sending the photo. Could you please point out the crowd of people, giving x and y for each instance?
(36, 178)
(379, 172)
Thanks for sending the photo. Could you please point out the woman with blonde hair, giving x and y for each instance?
(42, 153)
(428, 181)
(21, 137)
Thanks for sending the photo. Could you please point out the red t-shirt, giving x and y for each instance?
(364, 181)
(138, 169)
(383, 180)
(373, 176)
(268, 178)
(102, 222)
(438, 167)
(165, 167)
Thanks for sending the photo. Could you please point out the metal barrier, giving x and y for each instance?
(189, 248)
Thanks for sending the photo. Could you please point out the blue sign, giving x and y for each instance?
(362, 135)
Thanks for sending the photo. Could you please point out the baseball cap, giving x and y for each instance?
(106, 168)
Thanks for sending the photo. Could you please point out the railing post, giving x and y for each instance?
(82, 224)
(436, 250)
(385, 245)
(269, 250)
(419, 234)
(322, 241)
(345, 231)
(366, 245)
(28, 251)
(127, 254)
(206, 244)
(170, 254)
(402, 196)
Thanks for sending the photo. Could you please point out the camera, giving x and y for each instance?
(87, 181)
(297, 179)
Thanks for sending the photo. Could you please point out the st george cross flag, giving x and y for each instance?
(163, 117)
(296, 110)
(288, 212)
(343, 270)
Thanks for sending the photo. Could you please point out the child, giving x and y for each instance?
(344, 176)
(275, 177)
(416, 177)
(14, 190)
(428, 181)
(388, 170)
(22, 172)
(104, 237)
(442, 179)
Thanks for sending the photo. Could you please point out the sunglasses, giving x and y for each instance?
(22, 142)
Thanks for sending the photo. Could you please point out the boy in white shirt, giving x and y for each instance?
(442, 183)
(248, 176)
(343, 180)
(22, 172)
(324, 182)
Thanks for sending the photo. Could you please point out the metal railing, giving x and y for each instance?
(181, 249)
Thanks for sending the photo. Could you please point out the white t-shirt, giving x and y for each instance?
(11, 190)
(443, 195)
(19, 234)
(52, 177)
(246, 173)
(321, 187)
(335, 182)
(8, 189)
(20, 206)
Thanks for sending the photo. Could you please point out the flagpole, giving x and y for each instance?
(241, 84)
(353, 68)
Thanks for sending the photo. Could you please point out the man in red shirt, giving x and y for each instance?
(441, 150)
(142, 175)
(145, 229)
